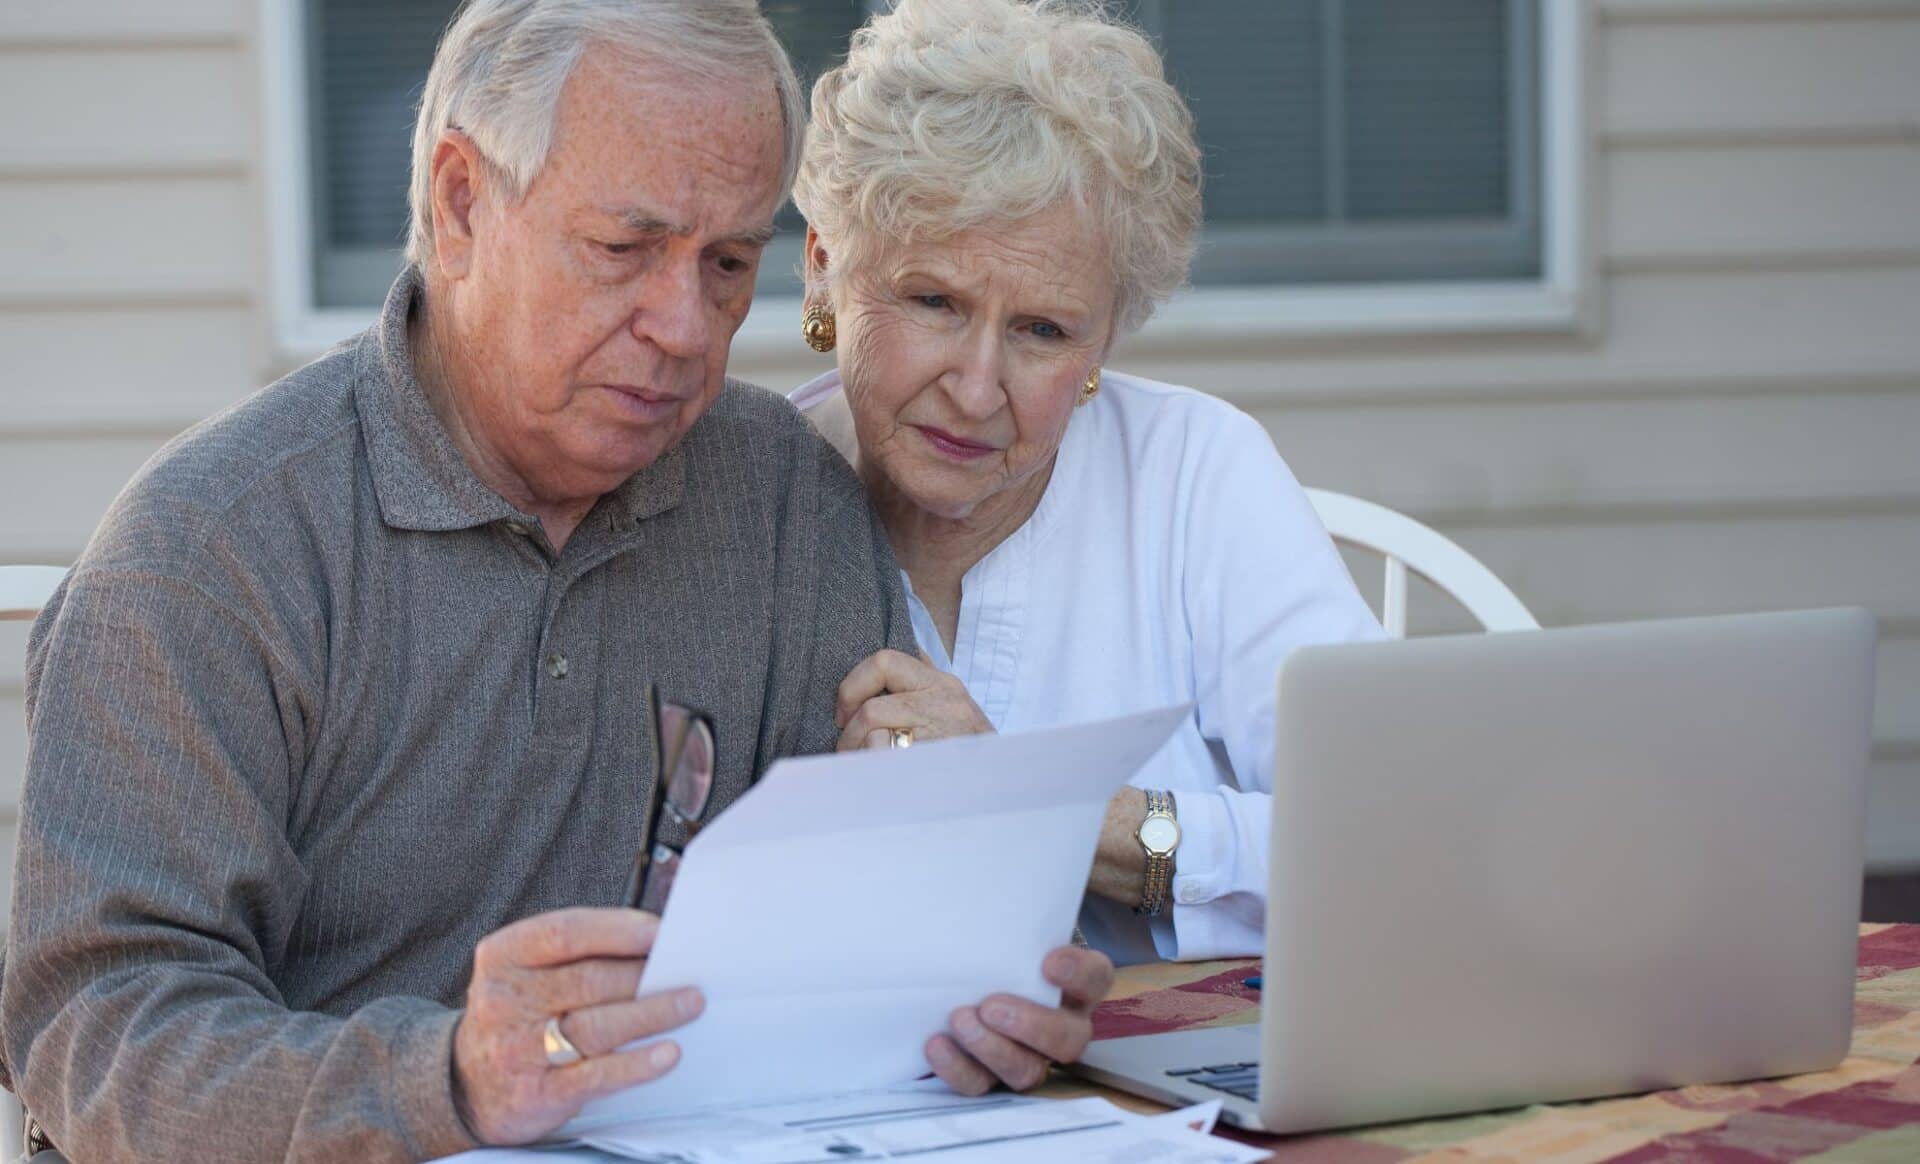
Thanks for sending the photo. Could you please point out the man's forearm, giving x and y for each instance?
(150, 1067)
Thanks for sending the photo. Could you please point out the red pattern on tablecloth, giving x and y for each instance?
(1749, 1137)
(1806, 1126)
(1178, 1008)
(1891, 949)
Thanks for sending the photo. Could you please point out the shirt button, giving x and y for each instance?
(517, 529)
(1189, 894)
(557, 665)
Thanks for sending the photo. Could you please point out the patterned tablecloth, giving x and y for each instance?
(1865, 1111)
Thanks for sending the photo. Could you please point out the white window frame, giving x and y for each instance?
(1560, 300)
(302, 329)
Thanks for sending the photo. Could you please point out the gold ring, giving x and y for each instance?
(900, 738)
(560, 1049)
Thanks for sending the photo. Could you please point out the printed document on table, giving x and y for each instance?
(920, 1121)
(912, 1122)
(836, 914)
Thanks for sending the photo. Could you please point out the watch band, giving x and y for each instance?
(1159, 880)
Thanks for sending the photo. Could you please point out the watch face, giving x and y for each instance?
(1159, 834)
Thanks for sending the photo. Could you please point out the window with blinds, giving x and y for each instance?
(1360, 140)
(1346, 141)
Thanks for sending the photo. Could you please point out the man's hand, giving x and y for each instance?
(889, 690)
(1012, 1041)
(580, 964)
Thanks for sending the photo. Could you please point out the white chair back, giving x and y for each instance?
(1408, 545)
(24, 591)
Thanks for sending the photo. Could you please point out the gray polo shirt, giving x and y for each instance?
(316, 711)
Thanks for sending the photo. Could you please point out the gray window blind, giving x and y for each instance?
(366, 63)
(1360, 140)
(1345, 140)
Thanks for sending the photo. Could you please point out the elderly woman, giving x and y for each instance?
(996, 192)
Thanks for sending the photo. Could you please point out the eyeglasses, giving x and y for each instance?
(683, 783)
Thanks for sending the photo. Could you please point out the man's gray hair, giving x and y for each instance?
(501, 68)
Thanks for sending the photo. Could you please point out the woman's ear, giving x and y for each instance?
(816, 263)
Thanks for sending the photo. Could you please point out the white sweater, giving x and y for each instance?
(1173, 559)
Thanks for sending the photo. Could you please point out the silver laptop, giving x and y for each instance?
(1548, 865)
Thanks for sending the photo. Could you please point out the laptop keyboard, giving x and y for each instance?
(1236, 1079)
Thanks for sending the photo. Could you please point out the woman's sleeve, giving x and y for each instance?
(1259, 578)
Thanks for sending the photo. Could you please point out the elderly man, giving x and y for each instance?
(342, 707)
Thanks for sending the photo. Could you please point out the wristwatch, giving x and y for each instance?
(1159, 836)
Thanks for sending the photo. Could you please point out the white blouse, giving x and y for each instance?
(1172, 559)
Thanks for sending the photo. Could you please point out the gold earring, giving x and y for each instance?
(1091, 388)
(817, 326)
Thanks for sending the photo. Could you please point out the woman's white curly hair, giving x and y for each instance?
(954, 114)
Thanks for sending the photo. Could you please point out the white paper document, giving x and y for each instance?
(916, 1121)
(836, 914)
(910, 1122)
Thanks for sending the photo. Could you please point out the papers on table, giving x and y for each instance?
(837, 914)
(908, 1123)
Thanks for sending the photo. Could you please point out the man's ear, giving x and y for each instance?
(457, 185)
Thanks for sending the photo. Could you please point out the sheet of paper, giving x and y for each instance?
(868, 1125)
(916, 1121)
(1159, 1139)
(836, 914)
(1201, 1117)
(532, 1156)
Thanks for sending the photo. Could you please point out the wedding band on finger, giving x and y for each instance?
(560, 1049)
(900, 738)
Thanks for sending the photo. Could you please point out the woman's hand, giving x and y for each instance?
(1119, 863)
(1008, 1040)
(889, 691)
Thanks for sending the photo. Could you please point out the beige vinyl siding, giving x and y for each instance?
(136, 23)
(125, 237)
(131, 236)
(199, 125)
(1738, 430)
(70, 478)
(1825, 204)
(1802, 127)
(152, 367)
(1671, 71)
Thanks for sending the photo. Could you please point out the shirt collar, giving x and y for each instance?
(419, 475)
(816, 391)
